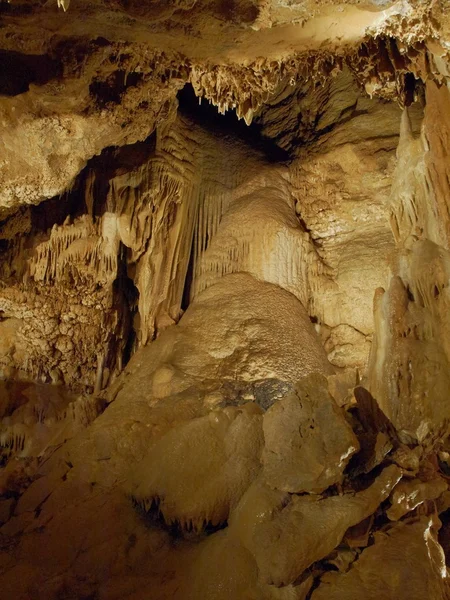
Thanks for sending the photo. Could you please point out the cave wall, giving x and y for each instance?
(413, 352)
(148, 226)
(224, 331)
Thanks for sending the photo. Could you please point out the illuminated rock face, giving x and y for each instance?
(224, 311)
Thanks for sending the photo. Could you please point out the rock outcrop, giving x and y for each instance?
(224, 306)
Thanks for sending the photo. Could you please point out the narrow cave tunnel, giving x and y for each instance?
(224, 308)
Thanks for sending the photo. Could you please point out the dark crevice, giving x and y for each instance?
(111, 90)
(14, 9)
(228, 125)
(317, 581)
(153, 517)
(118, 160)
(444, 534)
(409, 294)
(131, 294)
(56, 210)
(410, 89)
(185, 301)
(20, 70)
(113, 161)
(302, 222)
(126, 297)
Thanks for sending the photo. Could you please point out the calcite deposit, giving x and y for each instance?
(224, 299)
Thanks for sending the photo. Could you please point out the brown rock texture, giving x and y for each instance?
(224, 299)
(308, 441)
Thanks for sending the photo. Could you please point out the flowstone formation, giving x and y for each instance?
(224, 299)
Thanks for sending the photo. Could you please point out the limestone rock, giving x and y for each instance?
(259, 504)
(418, 573)
(310, 527)
(407, 495)
(308, 441)
(197, 472)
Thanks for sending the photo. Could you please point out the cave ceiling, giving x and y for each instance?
(64, 65)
